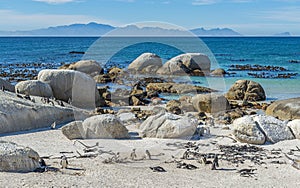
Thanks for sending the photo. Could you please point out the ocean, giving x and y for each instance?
(278, 55)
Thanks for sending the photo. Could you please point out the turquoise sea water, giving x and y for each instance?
(51, 52)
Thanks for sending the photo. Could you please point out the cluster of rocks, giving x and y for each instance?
(271, 75)
(294, 61)
(260, 71)
(249, 67)
(184, 64)
(22, 71)
(71, 93)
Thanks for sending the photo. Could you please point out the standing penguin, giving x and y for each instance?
(148, 155)
(42, 162)
(53, 125)
(64, 162)
(133, 155)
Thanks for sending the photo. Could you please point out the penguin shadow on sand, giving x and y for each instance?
(64, 167)
(147, 156)
(64, 162)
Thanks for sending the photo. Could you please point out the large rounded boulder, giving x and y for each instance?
(18, 114)
(6, 85)
(34, 87)
(167, 125)
(73, 130)
(295, 127)
(246, 90)
(210, 103)
(288, 109)
(104, 126)
(15, 158)
(189, 63)
(246, 130)
(146, 63)
(72, 85)
(274, 129)
(89, 67)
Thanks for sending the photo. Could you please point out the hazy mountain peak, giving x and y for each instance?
(215, 32)
(283, 34)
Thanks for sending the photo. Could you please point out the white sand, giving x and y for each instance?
(91, 172)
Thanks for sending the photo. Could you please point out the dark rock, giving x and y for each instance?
(210, 103)
(177, 88)
(246, 90)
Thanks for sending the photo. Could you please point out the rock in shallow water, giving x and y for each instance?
(246, 89)
(186, 64)
(15, 158)
(177, 88)
(218, 72)
(166, 125)
(89, 67)
(146, 63)
(211, 103)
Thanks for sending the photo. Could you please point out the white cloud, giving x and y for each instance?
(166, 2)
(55, 1)
(20, 21)
(210, 2)
(204, 2)
(127, 1)
(241, 1)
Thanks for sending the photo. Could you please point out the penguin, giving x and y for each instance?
(147, 154)
(186, 154)
(47, 100)
(19, 96)
(42, 162)
(216, 160)
(133, 155)
(3, 88)
(70, 101)
(215, 163)
(61, 103)
(27, 97)
(158, 169)
(64, 162)
(53, 125)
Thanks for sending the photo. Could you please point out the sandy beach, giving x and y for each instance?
(92, 172)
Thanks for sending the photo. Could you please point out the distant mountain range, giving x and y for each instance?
(283, 34)
(95, 29)
(215, 32)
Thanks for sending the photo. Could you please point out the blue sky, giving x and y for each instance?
(249, 17)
